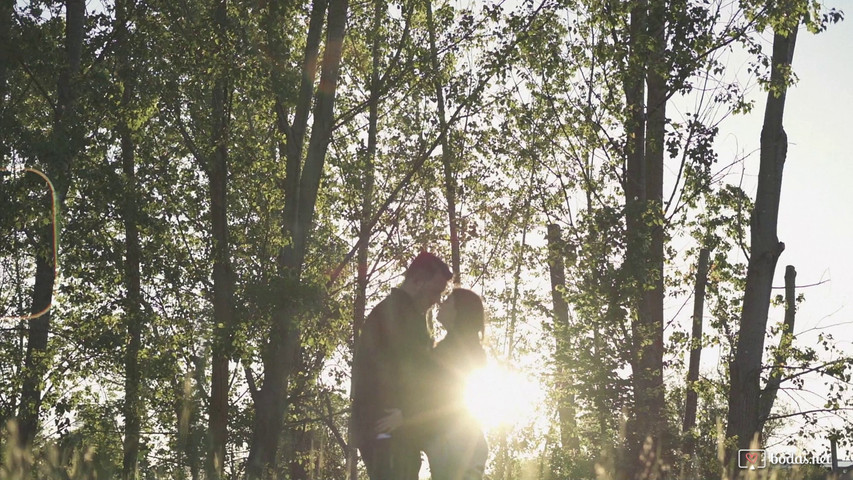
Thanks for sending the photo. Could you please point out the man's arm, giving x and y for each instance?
(382, 337)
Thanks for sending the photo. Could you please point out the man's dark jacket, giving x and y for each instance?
(390, 353)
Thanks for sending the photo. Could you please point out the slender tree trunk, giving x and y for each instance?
(215, 164)
(35, 363)
(321, 131)
(635, 184)
(182, 389)
(566, 399)
(197, 435)
(765, 248)
(833, 452)
(133, 253)
(447, 151)
(133, 257)
(6, 11)
(223, 276)
(368, 179)
(67, 138)
(649, 391)
(695, 351)
(189, 441)
(768, 395)
(641, 423)
(282, 348)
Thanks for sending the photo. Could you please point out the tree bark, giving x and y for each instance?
(223, 276)
(6, 11)
(133, 252)
(66, 137)
(765, 248)
(691, 402)
(134, 315)
(768, 395)
(645, 232)
(566, 399)
(652, 400)
(635, 199)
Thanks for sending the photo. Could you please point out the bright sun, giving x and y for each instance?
(498, 396)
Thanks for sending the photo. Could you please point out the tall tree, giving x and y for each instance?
(368, 176)
(65, 140)
(765, 248)
(125, 131)
(448, 150)
(223, 276)
(644, 232)
(565, 395)
(301, 187)
(692, 397)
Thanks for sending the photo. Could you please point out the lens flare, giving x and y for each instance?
(499, 396)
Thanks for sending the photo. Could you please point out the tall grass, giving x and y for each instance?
(69, 460)
(72, 459)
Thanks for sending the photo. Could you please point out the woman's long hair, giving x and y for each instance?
(470, 314)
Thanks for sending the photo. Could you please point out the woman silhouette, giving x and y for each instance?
(453, 440)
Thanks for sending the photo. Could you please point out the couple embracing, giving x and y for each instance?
(407, 393)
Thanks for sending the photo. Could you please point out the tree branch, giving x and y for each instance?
(807, 412)
(809, 370)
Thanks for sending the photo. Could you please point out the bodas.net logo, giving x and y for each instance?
(751, 459)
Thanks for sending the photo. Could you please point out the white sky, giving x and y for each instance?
(814, 220)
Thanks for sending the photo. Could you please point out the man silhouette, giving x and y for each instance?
(392, 348)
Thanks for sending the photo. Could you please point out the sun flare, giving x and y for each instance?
(499, 396)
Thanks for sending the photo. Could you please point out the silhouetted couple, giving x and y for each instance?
(407, 394)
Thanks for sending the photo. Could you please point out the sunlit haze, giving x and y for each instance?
(499, 396)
